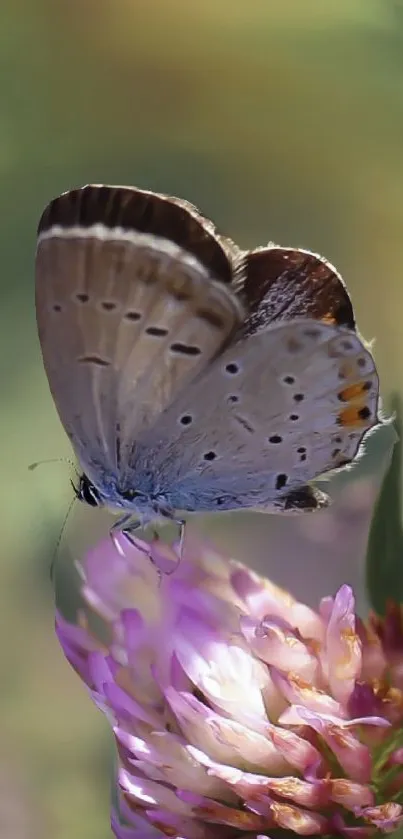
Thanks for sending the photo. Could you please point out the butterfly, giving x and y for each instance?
(191, 375)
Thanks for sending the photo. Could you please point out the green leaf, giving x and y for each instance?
(384, 562)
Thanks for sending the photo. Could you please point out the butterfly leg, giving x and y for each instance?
(127, 526)
(181, 524)
(124, 526)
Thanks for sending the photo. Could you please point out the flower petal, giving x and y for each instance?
(386, 817)
(262, 597)
(341, 657)
(353, 756)
(214, 811)
(299, 692)
(165, 757)
(349, 793)
(222, 739)
(278, 644)
(248, 784)
(226, 673)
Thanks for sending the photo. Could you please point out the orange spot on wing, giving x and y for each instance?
(353, 392)
(355, 416)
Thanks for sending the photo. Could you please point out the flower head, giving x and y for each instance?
(236, 710)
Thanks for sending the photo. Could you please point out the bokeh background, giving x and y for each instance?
(280, 119)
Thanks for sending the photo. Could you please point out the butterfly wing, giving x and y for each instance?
(274, 411)
(132, 300)
(280, 284)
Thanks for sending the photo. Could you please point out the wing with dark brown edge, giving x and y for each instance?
(286, 283)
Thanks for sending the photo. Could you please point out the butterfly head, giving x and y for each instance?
(114, 498)
(87, 492)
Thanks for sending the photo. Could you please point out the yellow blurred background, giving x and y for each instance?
(282, 120)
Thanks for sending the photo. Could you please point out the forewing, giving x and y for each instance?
(274, 411)
(281, 284)
(133, 301)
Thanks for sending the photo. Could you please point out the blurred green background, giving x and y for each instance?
(280, 119)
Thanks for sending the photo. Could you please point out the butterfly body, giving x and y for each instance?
(189, 375)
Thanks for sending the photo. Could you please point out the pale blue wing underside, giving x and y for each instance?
(271, 413)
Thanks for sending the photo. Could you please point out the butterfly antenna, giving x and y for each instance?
(56, 551)
(37, 463)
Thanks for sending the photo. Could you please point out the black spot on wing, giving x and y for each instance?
(133, 316)
(96, 360)
(281, 481)
(156, 331)
(184, 349)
